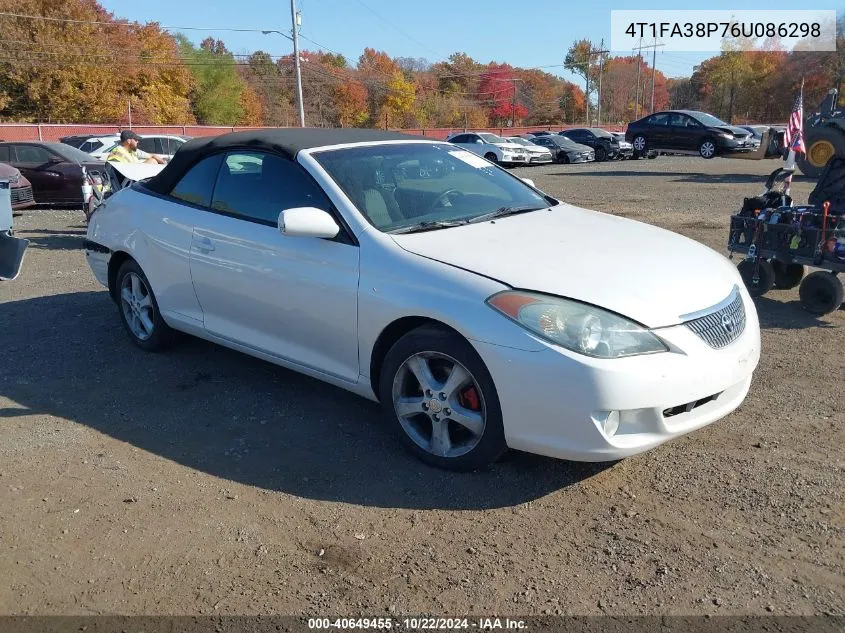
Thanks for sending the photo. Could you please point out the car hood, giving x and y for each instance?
(730, 129)
(645, 273)
(577, 147)
(8, 172)
(536, 150)
(510, 146)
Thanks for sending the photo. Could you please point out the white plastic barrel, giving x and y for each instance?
(5, 206)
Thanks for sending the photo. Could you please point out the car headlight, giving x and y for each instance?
(578, 327)
(726, 135)
(15, 178)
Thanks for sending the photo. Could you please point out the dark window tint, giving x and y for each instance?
(5, 155)
(150, 145)
(32, 154)
(259, 186)
(460, 138)
(658, 119)
(170, 145)
(196, 185)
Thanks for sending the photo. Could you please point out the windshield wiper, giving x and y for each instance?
(429, 226)
(503, 211)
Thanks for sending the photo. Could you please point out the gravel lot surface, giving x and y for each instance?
(205, 481)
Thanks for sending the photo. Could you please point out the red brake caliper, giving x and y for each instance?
(469, 399)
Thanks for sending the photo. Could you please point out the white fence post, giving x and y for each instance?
(40, 137)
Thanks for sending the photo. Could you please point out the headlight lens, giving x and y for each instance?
(578, 327)
(726, 135)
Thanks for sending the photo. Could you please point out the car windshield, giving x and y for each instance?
(398, 187)
(707, 119)
(602, 133)
(492, 138)
(69, 153)
(520, 141)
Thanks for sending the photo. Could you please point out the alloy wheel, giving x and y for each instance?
(137, 305)
(639, 144)
(707, 149)
(439, 404)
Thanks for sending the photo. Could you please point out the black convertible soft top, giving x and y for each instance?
(287, 142)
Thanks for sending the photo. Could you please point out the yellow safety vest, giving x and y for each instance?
(122, 155)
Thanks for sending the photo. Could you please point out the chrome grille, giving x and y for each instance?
(21, 194)
(724, 325)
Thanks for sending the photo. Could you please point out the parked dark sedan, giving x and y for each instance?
(688, 131)
(606, 145)
(60, 174)
(565, 150)
(19, 187)
(539, 133)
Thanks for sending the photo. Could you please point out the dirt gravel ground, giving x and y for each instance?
(203, 481)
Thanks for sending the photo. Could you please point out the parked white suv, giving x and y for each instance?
(164, 145)
(493, 148)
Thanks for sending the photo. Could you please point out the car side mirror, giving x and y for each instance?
(529, 182)
(307, 222)
(55, 159)
(479, 141)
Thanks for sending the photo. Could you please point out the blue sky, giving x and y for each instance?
(527, 34)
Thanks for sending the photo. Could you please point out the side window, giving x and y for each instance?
(542, 140)
(173, 145)
(196, 185)
(32, 154)
(258, 186)
(5, 156)
(149, 145)
(460, 138)
(658, 119)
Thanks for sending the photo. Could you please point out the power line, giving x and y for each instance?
(396, 28)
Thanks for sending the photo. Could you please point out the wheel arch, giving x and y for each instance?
(392, 333)
(115, 262)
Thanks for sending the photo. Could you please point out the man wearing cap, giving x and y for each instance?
(127, 151)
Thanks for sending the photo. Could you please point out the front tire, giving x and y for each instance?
(601, 154)
(139, 309)
(439, 397)
(640, 145)
(491, 157)
(707, 148)
(821, 292)
(759, 281)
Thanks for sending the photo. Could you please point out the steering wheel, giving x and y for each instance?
(443, 197)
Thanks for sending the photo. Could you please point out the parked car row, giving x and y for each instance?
(164, 145)
(580, 145)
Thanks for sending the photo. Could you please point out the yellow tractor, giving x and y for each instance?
(824, 137)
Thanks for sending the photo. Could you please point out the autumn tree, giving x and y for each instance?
(583, 61)
(498, 94)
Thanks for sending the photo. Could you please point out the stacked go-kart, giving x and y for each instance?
(780, 240)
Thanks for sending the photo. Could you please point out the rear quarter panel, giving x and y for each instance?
(156, 233)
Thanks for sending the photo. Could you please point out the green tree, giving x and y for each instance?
(217, 95)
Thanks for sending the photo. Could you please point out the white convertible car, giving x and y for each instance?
(482, 313)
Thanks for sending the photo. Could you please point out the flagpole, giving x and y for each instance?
(790, 159)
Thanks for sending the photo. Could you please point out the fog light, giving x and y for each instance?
(611, 423)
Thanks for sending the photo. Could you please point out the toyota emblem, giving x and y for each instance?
(728, 323)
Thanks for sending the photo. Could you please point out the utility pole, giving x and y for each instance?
(590, 54)
(654, 48)
(295, 20)
(130, 112)
(639, 70)
(601, 69)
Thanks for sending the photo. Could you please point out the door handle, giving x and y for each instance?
(204, 245)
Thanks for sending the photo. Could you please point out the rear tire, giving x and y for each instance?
(821, 293)
(139, 309)
(640, 146)
(822, 144)
(432, 433)
(788, 276)
(765, 276)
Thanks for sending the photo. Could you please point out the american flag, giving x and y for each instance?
(793, 138)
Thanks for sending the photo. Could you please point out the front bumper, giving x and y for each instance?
(22, 197)
(733, 146)
(554, 402)
(538, 159)
(515, 159)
